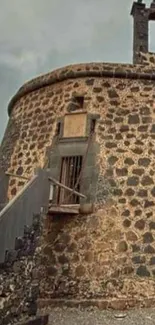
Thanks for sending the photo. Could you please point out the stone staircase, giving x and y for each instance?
(18, 286)
(20, 231)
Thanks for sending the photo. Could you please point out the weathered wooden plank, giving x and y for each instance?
(17, 176)
(66, 187)
(63, 210)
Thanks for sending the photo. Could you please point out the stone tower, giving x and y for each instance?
(92, 122)
(141, 16)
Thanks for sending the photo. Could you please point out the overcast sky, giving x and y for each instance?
(37, 36)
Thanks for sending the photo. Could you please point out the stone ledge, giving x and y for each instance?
(40, 320)
(115, 304)
(96, 70)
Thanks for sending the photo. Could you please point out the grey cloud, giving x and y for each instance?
(37, 36)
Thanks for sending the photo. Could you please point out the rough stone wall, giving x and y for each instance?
(35, 113)
(19, 277)
(100, 256)
(112, 252)
(74, 71)
(147, 59)
(9, 142)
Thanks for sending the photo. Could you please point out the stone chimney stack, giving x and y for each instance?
(140, 29)
(151, 11)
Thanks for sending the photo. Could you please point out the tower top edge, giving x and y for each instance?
(82, 70)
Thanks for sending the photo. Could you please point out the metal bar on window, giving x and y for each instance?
(70, 172)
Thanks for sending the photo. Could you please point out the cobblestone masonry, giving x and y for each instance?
(33, 118)
(110, 253)
(147, 58)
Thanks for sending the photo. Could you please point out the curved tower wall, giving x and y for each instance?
(38, 104)
(111, 252)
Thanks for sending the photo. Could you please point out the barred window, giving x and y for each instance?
(70, 174)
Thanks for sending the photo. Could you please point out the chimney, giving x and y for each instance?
(140, 29)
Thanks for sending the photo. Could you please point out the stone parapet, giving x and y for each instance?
(101, 70)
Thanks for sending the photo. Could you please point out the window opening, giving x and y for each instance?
(70, 172)
(79, 101)
(92, 126)
(58, 128)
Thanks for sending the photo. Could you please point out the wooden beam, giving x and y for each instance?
(62, 210)
(17, 176)
(53, 180)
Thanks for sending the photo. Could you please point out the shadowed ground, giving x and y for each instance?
(67, 316)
